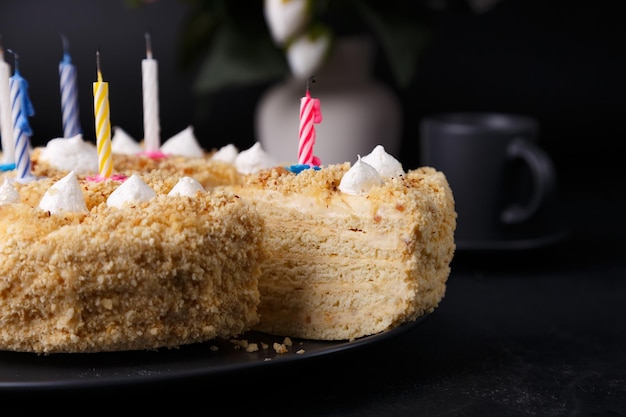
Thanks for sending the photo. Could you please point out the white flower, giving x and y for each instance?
(307, 53)
(286, 18)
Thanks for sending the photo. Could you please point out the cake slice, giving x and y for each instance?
(347, 264)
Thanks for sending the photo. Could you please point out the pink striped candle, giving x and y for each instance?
(21, 110)
(310, 113)
(103, 124)
(69, 94)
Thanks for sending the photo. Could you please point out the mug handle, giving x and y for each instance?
(543, 180)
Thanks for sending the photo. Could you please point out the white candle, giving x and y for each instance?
(151, 127)
(6, 120)
(69, 94)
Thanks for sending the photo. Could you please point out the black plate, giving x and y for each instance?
(534, 242)
(28, 371)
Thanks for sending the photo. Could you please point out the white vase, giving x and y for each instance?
(358, 112)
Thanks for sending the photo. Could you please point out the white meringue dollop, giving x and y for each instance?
(386, 165)
(227, 153)
(8, 193)
(254, 159)
(71, 154)
(186, 186)
(65, 195)
(360, 178)
(184, 143)
(133, 189)
(124, 144)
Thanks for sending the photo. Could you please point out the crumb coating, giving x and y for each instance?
(163, 273)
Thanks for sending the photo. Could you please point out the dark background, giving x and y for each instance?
(522, 333)
(560, 61)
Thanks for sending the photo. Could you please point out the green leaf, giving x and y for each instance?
(133, 4)
(196, 36)
(402, 37)
(239, 58)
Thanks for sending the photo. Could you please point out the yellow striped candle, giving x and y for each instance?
(103, 124)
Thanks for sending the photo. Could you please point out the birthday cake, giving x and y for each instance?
(342, 251)
(148, 262)
(119, 246)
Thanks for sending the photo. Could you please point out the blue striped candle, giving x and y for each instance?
(21, 110)
(69, 94)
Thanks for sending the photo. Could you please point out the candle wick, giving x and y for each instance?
(98, 65)
(16, 58)
(148, 46)
(66, 47)
(66, 50)
(309, 82)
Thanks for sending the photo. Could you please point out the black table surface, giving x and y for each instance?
(539, 332)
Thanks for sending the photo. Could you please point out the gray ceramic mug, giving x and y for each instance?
(503, 182)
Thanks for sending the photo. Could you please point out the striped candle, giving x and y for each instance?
(103, 124)
(6, 117)
(310, 113)
(69, 94)
(150, 85)
(21, 110)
